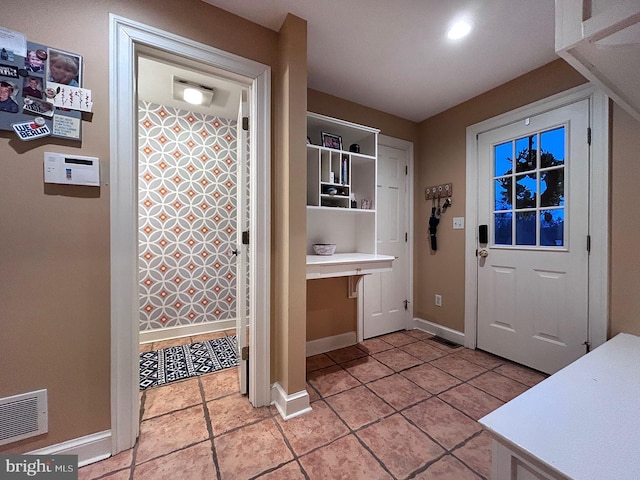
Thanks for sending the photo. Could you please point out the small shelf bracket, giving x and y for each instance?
(354, 280)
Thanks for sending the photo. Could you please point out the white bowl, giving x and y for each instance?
(324, 248)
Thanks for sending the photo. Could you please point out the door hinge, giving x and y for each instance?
(588, 243)
(587, 345)
(406, 237)
(406, 305)
(244, 355)
(406, 170)
(589, 135)
(245, 124)
(245, 237)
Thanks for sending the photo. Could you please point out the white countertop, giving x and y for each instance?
(346, 264)
(583, 421)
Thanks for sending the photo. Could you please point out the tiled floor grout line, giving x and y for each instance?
(207, 420)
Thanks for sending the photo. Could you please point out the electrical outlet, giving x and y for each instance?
(438, 300)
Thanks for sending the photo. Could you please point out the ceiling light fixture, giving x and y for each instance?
(459, 29)
(191, 92)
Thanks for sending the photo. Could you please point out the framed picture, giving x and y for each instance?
(331, 141)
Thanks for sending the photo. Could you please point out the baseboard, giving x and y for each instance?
(289, 406)
(441, 331)
(180, 331)
(89, 449)
(326, 344)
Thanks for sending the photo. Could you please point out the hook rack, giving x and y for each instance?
(438, 191)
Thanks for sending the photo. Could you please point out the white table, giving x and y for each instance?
(582, 423)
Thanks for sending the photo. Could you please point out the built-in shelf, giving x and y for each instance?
(346, 264)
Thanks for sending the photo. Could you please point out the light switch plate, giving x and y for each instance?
(458, 223)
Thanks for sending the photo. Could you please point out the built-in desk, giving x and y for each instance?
(582, 423)
(346, 265)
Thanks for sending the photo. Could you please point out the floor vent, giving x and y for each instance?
(23, 416)
(444, 341)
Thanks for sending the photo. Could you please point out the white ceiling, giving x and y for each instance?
(393, 55)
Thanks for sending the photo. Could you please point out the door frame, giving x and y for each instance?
(407, 146)
(598, 268)
(124, 37)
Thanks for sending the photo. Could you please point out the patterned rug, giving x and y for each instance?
(177, 363)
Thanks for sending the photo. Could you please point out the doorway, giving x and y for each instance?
(127, 39)
(533, 199)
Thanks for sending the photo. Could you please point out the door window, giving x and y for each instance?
(529, 190)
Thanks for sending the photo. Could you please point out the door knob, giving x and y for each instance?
(483, 253)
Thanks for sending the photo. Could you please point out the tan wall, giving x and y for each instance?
(625, 224)
(442, 159)
(54, 246)
(326, 319)
(289, 213)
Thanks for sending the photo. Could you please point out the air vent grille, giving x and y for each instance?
(23, 416)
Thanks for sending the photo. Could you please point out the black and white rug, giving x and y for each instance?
(177, 363)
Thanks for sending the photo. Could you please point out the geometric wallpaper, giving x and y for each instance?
(187, 191)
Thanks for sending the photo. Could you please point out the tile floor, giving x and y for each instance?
(393, 407)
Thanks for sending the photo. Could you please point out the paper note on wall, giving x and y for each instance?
(73, 98)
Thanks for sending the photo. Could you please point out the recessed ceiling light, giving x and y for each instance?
(192, 96)
(194, 93)
(459, 29)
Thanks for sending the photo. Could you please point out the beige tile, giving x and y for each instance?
(146, 347)
(314, 429)
(332, 380)
(446, 425)
(171, 397)
(313, 395)
(174, 342)
(221, 383)
(397, 359)
(230, 332)
(476, 453)
(344, 459)
(117, 462)
(419, 334)
(346, 354)
(290, 471)
(316, 362)
(121, 475)
(447, 468)
(521, 374)
(251, 450)
(207, 336)
(170, 432)
(233, 411)
(398, 392)
(193, 462)
(499, 386)
(478, 357)
(398, 339)
(402, 447)
(374, 345)
(430, 378)
(359, 407)
(470, 400)
(423, 351)
(367, 369)
(458, 367)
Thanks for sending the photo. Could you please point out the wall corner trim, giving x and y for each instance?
(439, 330)
(289, 406)
(89, 449)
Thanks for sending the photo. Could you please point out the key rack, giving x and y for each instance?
(438, 191)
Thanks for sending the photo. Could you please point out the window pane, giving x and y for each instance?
(552, 228)
(526, 153)
(526, 188)
(503, 193)
(503, 159)
(552, 148)
(552, 188)
(526, 228)
(502, 228)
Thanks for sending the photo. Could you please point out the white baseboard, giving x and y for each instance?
(289, 406)
(326, 344)
(441, 331)
(89, 449)
(180, 331)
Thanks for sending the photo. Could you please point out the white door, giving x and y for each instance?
(532, 272)
(386, 294)
(241, 250)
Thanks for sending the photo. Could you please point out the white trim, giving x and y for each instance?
(89, 449)
(125, 36)
(326, 344)
(598, 209)
(181, 331)
(289, 406)
(439, 330)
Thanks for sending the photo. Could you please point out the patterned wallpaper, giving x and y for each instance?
(187, 217)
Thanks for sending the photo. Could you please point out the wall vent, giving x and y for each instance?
(23, 416)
